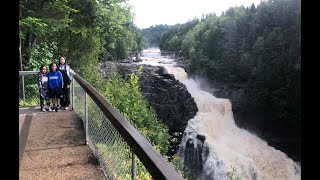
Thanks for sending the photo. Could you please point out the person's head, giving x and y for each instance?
(43, 69)
(62, 60)
(53, 67)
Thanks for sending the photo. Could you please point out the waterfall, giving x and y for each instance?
(213, 147)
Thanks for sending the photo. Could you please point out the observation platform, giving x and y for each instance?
(52, 146)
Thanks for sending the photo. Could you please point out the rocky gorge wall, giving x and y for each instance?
(169, 97)
(175, 106)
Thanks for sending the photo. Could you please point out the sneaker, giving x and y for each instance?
(57, 108)
(43, 109)
(64, 108)
(49, 109)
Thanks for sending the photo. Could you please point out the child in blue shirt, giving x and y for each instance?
(55, 83)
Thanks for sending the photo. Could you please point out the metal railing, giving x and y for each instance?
(112, 139)
(28, 88)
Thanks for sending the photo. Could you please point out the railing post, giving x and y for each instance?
(86, 115)
(23, 90)
(72, 89)
(133, 167)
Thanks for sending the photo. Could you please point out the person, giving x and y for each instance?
(64, 68)
(43, 88)
(55, 82)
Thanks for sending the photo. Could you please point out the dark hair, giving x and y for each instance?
(42, 66)
(50, 66)
(65, 59)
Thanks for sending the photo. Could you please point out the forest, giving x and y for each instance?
(89, 32)
(255, 48)
(84, 31)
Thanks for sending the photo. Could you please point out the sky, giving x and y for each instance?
(170, 12)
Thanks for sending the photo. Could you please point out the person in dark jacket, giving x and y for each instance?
(64, 68)
(43, 88)
(55, 84)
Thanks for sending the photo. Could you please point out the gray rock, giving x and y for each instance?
(170, 98)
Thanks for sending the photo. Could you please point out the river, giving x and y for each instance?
(230, 147)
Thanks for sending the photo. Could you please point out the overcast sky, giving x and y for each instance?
(154, 12)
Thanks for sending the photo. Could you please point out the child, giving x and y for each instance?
(43, 88)
(64, 68)
(55, 83)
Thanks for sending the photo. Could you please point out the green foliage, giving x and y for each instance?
(272, 79)
(34, 101)
(86, 32)
(122, 50)
(255, 47)
(153, 34)
(112, 153)
(39, 55)
(29, 93)
(35, 25)
(177, 163)
(126, 97)
(233, 175)
(175, 43)
(81, 30)
(172, 38)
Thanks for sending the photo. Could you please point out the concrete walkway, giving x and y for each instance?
(52, 146)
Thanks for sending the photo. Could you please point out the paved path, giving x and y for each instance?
(52, 146)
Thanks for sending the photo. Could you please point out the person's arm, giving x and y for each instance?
(60, 79)
(69, 73)
(49, 81)
(39, 82)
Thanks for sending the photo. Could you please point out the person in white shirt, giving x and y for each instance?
(64, 68)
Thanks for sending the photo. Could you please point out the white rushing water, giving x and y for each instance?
(235, 148)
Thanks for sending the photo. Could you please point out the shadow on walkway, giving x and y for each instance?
(52, 146)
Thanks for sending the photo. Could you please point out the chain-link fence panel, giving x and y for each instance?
(107, 144)
(28, 88)
(78, 99)
(113, 153)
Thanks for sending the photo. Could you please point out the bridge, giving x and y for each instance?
(90, 140)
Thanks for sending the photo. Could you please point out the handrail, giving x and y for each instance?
(157, 166)
(27, 72)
